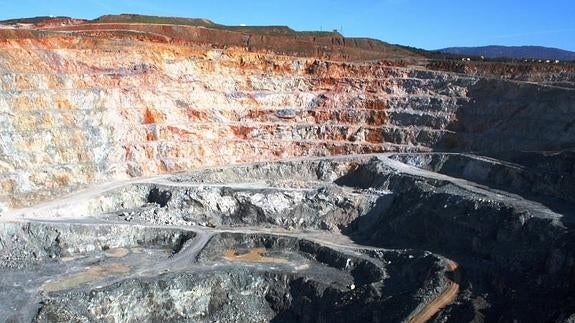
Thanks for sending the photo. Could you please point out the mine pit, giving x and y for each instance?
(355, 250)
(356, 247)
(169, 173)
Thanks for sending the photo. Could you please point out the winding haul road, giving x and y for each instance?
(194, 246)
(445, 298)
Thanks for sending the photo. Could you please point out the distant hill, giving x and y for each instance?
(517, 52)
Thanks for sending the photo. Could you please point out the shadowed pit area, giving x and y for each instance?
(392, 237)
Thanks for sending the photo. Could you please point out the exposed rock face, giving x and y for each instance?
(275, 238)
(125, 102)
(544, 73)
(84, 110)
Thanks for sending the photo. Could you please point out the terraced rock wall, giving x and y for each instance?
(80, 110)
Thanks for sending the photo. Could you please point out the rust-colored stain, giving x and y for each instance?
(63, 104)
(375, 105)
(150, 152)
(62, 180)
(128, 153)
(320, 116)
(354, 117)
(251, 100)
(89, 275)
(253, 255)
(336, 135)
(173, 132)
(374, 136)
(163, 167)
(197, 115)
(328, 81)
(337, 150)
(149, 117)
(151, 136)
(257, 115)
(242, 132)
(378, 118)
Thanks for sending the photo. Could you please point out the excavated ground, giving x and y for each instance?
(386, 232)
(382, 238)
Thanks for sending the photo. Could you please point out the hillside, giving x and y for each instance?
(279, 39)
(513, 52)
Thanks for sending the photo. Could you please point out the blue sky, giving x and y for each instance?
(429, 24)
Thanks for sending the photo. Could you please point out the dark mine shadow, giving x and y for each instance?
(502, 116)
(518, 122)
(482, 272)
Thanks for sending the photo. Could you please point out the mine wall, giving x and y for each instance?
(82, 111)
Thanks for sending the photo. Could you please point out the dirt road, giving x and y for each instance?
(445, 298)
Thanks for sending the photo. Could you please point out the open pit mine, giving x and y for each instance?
(165, 169)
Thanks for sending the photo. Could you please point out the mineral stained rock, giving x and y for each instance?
(170, 169)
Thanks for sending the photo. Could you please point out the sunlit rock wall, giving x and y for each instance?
(77, 111)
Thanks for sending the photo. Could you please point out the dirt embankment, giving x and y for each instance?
(277, 39)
